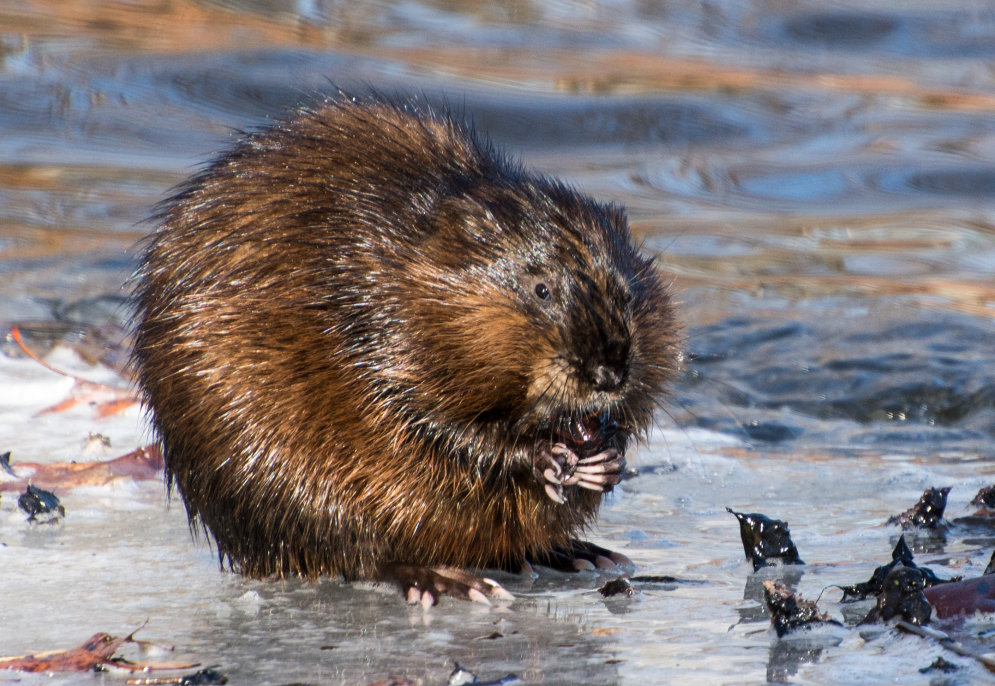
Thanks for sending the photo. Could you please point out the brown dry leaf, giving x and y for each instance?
(116, 405)
(109, 400)
(141, 464)
(95, 651)
(607, 631)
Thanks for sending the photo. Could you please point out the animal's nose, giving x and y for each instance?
(606, 378)
(613, 369)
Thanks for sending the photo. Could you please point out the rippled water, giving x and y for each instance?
(816, 178)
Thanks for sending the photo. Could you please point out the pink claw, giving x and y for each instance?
(610, 455)
(597, 469)
(555, 494)
(561, 450)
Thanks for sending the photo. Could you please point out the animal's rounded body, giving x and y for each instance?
(368, 342)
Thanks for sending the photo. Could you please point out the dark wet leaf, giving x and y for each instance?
(208, 676)
(204, 677)
(902, 552)
(927, 513)
(984, 498)
(766, 540)
(619, 586)
(901, 556)
(940, 665)
(789, 612)
(40, 505)
(902, 597)
(5, 464)
(461, 676)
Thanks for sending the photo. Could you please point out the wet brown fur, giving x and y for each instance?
(346, 360)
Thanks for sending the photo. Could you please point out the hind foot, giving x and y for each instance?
(578, 556)
(425, 585)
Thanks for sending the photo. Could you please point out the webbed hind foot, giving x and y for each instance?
(425, 585)
(578, 556)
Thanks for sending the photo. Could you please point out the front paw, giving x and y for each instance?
(557, 465)
(601, 471)
(560, 466)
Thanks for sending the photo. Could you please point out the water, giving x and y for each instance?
(815, 178)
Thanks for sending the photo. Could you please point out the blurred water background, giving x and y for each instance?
(816, 178)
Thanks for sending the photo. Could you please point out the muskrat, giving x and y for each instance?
(373, 346)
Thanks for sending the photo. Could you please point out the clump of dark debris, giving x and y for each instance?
(766, 541)
(986, 497)
(461, 676)
(925, 514)
(901, 557)
(940, 665)
(619, 586)
(41, 506)
(901, 597)
(789, 612)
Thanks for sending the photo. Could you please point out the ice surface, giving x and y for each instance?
(124, 558)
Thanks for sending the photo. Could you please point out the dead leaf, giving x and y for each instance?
(95, 651)
(141, 464)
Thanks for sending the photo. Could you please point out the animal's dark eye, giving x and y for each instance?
(542, 291)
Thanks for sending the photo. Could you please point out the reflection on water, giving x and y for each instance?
(818, 182)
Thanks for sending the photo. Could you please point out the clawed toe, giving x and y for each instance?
(619, 559)
(561, 466)
(581, 556)
(611, 456)
(597, 479)
(555, 493)
(425, 585)
(569, 456)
